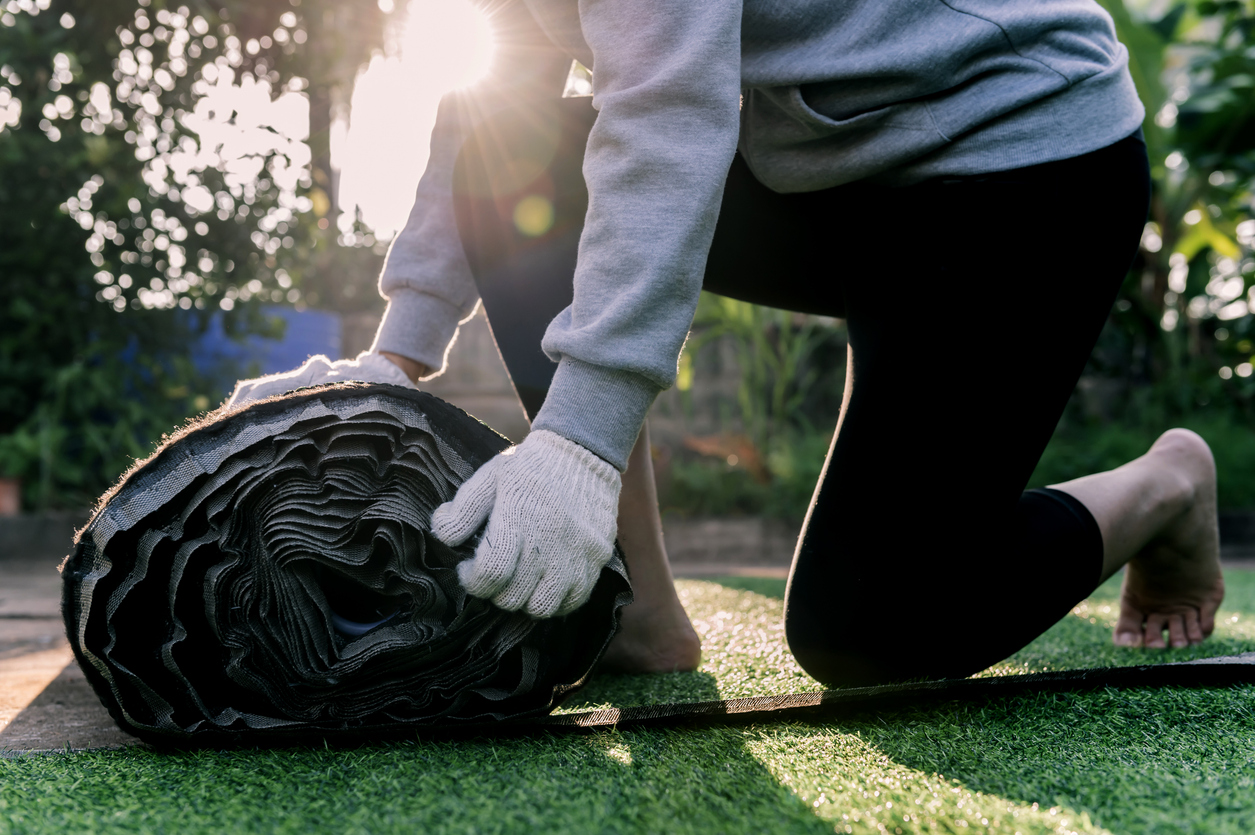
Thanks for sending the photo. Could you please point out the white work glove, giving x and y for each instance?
(551, 507)
(317, 371)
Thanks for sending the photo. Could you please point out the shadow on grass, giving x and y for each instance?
(1171, 760)
(611, 690)
(1165, 761)
(630, 782)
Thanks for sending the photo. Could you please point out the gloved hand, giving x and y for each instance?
(551, 508)
(318, 370)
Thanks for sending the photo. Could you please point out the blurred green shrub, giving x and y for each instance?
(92, 419)
(775, 353)
(709, 487)
(1077, 451)
(1179, 339)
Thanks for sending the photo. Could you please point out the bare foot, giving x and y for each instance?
(1175, 583)
(655, 635)
(653, 639)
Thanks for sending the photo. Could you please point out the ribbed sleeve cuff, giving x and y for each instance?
(419, 326)
(601, 409)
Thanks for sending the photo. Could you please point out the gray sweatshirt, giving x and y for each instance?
(814, 93)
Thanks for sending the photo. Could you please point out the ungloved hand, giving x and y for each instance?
(551, 507)
(317, 371)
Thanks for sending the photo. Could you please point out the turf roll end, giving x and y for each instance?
(268, 577)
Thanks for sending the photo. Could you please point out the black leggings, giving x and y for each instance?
(972, 305)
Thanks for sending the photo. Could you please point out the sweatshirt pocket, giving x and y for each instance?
(791, 146)
(907, 115)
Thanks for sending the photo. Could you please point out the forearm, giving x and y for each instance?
(426, 277)
(412, 369)
(666, 84)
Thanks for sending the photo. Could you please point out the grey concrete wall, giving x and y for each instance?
(39, 536)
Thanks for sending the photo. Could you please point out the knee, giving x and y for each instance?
(830, 647)
(838, 666)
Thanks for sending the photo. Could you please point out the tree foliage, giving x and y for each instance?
(1181, 337)
(145, 184)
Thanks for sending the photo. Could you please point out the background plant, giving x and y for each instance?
(777, 425)
(134, 204)
(1179, 339)
(775, 353)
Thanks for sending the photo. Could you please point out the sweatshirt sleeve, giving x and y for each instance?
(666, 84)
(426, 278)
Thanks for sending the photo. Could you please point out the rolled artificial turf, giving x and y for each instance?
(268, 576)
(1174, 760)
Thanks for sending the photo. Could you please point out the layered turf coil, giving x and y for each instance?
(268, 574)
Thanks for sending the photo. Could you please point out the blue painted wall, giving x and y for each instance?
(308, 332)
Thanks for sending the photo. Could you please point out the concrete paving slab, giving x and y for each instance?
(65, 715)
(45, 702)
(30, 616)
(30, 589)
(39, 535)
(748, 542)
(21, 636)
(30, 607)
(24, 677)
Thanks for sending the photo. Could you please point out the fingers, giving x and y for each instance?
(547, 598)
(549, 586)
(580, 592)
(456, 520)
(521, 586)
(242, 392)
(550, 510)
(492, 568)
(372, 368)
(557, 594)
(315, 370)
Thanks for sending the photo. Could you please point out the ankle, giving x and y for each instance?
(1181, 465)
(1179, 496)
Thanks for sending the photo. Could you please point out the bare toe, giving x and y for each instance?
(1152, 634)
(1194, 629)
(1176, 631)
(1128, 632)
(1207, 613)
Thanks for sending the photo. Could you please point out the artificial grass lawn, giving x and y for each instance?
(1159, 761)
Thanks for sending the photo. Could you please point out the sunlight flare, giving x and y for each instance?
(442, 46)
